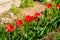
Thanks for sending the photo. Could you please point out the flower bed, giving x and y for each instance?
(31, 27)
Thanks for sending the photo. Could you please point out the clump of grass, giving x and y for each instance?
(14, 9)
(26, 3)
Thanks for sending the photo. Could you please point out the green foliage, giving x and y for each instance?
(40, 0)
(57, 1)
(14, 9)
(57, 36)
(26, 3)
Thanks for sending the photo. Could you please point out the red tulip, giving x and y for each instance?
(33, 18)
(57, 6)
(28, 18)
(49, 5)
(19, 22)
(37, 14)
(10, 27)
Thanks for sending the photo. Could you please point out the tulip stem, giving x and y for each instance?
(37, 22)
(10, 36)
